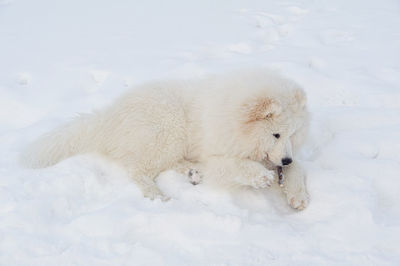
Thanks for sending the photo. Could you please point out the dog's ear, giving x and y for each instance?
(299, 98)
(261, 109)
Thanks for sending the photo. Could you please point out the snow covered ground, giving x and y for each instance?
(59, 58)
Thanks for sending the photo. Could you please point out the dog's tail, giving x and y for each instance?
(76, 137)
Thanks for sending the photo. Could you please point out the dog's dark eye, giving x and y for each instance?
(277, 136)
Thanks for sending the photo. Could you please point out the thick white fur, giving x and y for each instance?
(222, 126)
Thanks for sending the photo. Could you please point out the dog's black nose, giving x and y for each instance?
(286, 161)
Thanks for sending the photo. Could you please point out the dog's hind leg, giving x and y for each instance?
(149, 188)
(145, 181)
(190, 169)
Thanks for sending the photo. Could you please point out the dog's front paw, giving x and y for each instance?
(298, 200)
(195, 177)
(263, 180)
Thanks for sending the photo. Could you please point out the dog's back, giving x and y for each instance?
(142, 125)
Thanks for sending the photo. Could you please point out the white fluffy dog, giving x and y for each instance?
(226, 128)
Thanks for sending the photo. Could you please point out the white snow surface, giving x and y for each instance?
(59, 58)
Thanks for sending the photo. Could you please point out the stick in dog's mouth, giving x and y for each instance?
(279, 170)
(281, 177)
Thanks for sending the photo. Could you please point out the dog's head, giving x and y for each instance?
(273, 124)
